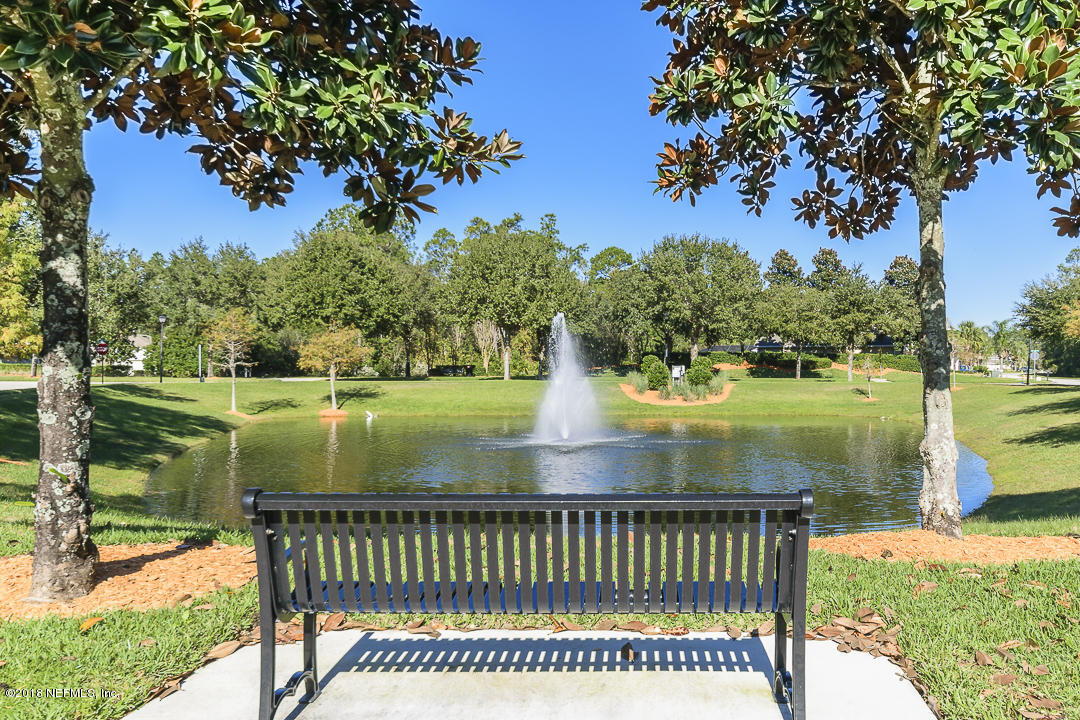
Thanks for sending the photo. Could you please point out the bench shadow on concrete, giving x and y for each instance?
(419, 654)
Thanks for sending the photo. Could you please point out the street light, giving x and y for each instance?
(161, 348)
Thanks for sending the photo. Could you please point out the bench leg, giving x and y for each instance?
(267, 704)
(311, 679)
(798, 666)
(781, 676)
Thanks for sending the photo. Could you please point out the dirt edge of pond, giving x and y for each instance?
(652, 397)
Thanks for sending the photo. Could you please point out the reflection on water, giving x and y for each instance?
(865, 474)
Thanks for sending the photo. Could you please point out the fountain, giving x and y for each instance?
(568, 413)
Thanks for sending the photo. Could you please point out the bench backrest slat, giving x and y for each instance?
(374, 556)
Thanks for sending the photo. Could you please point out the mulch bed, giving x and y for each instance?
(911, 545)
(151, 575)
(652, 397)
(135, 577)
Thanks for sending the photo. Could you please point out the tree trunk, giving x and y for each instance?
(850, 362)
(64, 554)
(408, 359)
(694, 350)
(505, 341)
(333, 392)
(939, 503)
(798, 361)
(232, 369)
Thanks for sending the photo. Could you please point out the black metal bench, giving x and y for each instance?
(575, 554)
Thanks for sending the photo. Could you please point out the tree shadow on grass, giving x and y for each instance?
(1030, 506)
(145, 391)
(261, 406)
(1055, 436)
(128, 433)
(1066, 400)
(357, 394)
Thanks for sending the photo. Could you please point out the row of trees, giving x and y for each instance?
(490, 293)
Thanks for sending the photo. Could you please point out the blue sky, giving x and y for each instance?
(571, 80)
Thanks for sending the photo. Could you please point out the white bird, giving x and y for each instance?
(370, 415)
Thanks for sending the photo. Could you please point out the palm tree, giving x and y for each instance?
(971, 342)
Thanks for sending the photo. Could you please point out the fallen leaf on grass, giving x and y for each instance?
(676, 631)
(223, 649)
(89, 623)
(924, 586)
(333, 622)
(357, 625)
(1046, 703)
(166, 689)
(1040, 670)
(148, 642)
(638, 626)
(605, 625)
(815, 609)
(733, 632)
(1003, 678)
(3, 663)
(982, 658)
(765, 629)
(423, 630)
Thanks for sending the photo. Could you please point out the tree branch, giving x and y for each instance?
(102, 92)
(899, 5)
(890, 59)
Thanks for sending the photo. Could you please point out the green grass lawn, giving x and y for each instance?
(1030, 437)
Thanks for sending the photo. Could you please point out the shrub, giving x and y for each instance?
(981, 369)
(717, 383)
(638, 381)
(700, 372)
(725, 357)
(665, 392)
(656, 371)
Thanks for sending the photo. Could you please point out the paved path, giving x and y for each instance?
(501, 674)
(17, 384)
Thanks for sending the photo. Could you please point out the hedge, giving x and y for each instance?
(725, 357)
(909, 363)
(787, 360)
(14, 368)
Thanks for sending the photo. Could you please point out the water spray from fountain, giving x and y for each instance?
(568, 412)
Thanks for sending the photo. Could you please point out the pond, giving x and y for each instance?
(865, 474)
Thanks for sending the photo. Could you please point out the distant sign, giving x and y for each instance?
(141, 341)
(101, 348)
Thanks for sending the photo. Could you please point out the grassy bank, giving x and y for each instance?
(1028, 435)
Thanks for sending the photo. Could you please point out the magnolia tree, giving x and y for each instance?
(331, 352)
(878, 98)
(264, 87)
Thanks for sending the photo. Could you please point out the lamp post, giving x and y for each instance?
(161, 348)
(1027, 379)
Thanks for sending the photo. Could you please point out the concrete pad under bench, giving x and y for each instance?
(503, 674)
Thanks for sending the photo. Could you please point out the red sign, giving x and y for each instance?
(101, 348)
